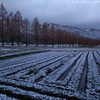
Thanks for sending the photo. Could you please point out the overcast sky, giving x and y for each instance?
(82, 13)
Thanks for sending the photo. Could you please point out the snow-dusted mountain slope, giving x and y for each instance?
(90, 33)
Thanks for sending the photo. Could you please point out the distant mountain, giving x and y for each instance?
(90, 33)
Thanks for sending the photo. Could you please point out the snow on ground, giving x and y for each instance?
(5, 97)
(56, 74)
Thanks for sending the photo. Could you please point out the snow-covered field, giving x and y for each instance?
(56, 74)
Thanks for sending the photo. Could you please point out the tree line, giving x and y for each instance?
(15, 29)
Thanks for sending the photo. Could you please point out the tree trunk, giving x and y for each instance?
(12, 40)
(2, 32)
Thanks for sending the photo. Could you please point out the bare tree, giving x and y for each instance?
(18, 23)
(35, 30)
(58, 37)
(11, 27)
(52, 34)
(3, 15)
(26, 29)
(45, 29)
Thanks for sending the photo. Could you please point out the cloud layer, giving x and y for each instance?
(64, 12)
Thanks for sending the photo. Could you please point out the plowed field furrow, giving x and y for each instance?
(47, 64)
(45, 70)
(55, 68)
(68, 70)
(17, 58)
(63, 75)
(23, 59)
(76, 69)
(24, 92)
(26, 58)
(96, 56)
(41, 77)
(54, 75)
(8, 56)
(93, 79)
(75, 77)
(23, 75)
(82, 85)
(98, 53)
(39, 61)
(26, 95)
(3, 96)
(52, 62)
(17, 70)
(27, 62)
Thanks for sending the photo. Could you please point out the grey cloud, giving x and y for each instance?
(65, 12)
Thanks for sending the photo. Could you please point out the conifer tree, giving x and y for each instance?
(26, 29)
(35, 30)
(18, 25)
(3, 16)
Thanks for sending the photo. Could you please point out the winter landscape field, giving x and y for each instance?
(49, 49)
(57, 74)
